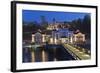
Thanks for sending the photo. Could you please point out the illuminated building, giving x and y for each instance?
(78, 38)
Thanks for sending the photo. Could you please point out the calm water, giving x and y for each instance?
(52, 52)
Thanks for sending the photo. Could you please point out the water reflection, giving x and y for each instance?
(46, 53)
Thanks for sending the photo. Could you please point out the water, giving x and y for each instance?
(47, 53)
(58, 52)
(26, 55)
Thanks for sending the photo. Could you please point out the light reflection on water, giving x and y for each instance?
(46, 53)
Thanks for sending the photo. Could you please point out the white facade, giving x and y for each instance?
(38, 38)
(78, 38)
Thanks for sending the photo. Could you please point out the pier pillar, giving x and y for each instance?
(33, 56)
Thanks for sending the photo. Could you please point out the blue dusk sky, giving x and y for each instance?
(33, 15)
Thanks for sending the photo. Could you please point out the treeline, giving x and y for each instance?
(33, 26)
(84, 25)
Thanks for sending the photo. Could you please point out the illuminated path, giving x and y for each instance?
(76, 53)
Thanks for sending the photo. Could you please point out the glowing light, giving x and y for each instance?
(51, 40)
(33, 37)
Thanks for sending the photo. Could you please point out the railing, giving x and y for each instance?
(72, 53)
(76, 53)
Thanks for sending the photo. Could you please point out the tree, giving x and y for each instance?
(87, 24)
(84, 25)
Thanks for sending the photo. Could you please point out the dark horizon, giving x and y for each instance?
(35, 15)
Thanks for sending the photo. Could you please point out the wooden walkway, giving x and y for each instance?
(79, 54)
